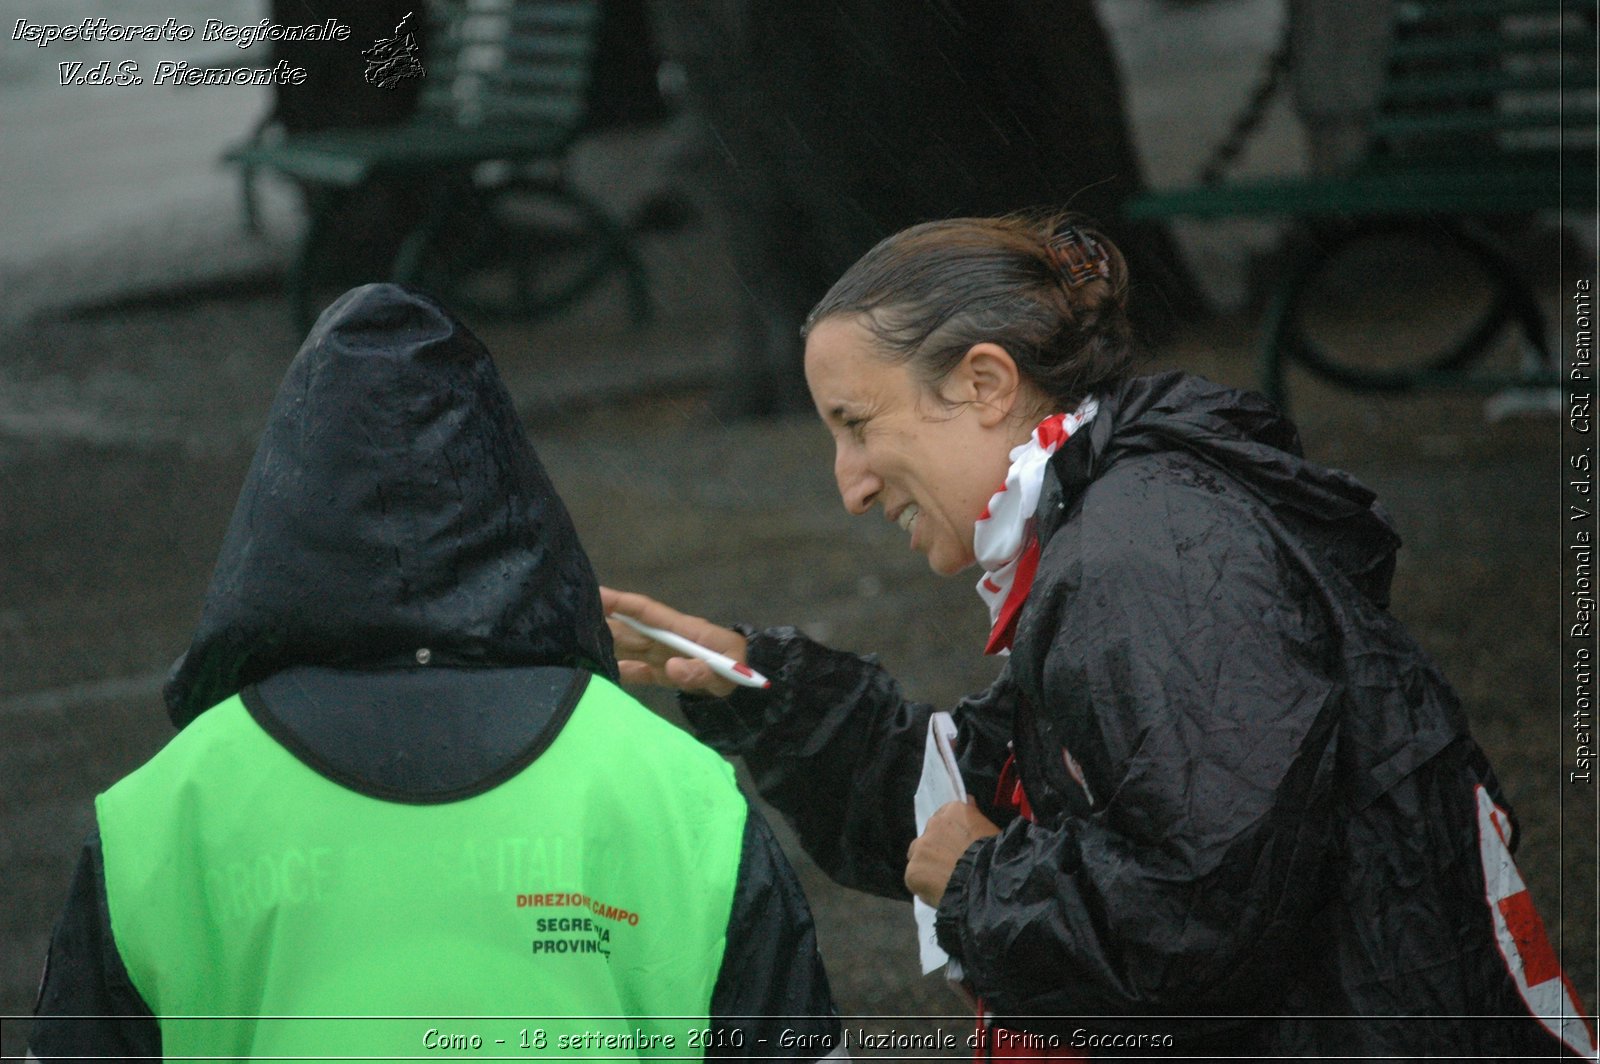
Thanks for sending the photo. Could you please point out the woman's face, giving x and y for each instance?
(932, 465)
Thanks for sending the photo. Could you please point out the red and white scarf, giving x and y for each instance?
(1004, 539)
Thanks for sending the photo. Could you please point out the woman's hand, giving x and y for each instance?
(642, 660)
(933, 856)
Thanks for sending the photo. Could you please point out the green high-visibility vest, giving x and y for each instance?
(578, 909)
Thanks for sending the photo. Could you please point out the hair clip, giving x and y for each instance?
(1078, 256)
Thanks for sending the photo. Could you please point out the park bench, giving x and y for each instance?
(1487, 108)
(498, 227)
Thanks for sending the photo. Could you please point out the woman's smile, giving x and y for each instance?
(930, 456)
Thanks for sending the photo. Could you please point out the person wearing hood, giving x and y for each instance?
(407, 801)
(1224, 805)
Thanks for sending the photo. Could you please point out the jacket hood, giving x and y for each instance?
(1246, 436)
(394, 504)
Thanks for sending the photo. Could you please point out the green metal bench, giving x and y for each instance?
(1488, 108)
(499, 228)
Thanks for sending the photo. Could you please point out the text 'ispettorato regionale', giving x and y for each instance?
(101, 30)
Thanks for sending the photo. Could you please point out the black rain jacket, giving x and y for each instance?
(1255, 797)
(404, 602)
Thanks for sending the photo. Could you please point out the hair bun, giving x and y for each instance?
(1077, 256)
(1047, 287)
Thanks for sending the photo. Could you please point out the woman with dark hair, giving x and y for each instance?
(1218, 787)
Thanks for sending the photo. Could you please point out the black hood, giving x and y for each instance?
(1246, 436)
(394, 504)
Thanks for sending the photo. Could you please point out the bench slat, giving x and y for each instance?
(1416, 87)
(1479, 45)
(558, 110)
(1452, 123)
(346, 157)
(1455, 191)
(1413, 11)
(545, 47)
(571, 78)
(579, 17)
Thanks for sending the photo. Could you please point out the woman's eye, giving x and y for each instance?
(854, 425)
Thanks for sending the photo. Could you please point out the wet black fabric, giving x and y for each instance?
(770, 931)
(1255, 794)
(393, 505)
(420, 735)
(94, 1009)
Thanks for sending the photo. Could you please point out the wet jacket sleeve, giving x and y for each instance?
(84, 977)
(836, 747)
(771, 1000)
(1187, 674)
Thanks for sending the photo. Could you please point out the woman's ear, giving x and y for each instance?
(988, 379)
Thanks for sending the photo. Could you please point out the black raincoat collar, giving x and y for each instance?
(393, 505)
(1245, 436)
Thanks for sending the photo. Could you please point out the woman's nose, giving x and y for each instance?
(858, 485)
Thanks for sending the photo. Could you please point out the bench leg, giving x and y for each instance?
(1278, 334)
(453, 206)
(300, 281)
(1285, 340)
(468, 229)
(247, 198)
(616, 250)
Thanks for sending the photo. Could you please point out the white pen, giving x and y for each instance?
(721, 664)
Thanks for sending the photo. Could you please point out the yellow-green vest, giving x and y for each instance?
(578, 908)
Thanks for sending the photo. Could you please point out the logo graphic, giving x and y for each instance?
(391, 60)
